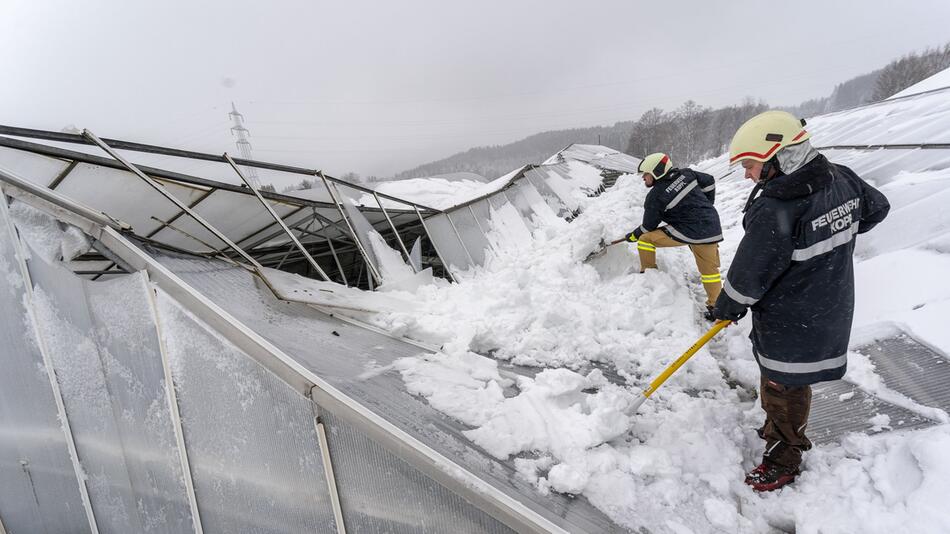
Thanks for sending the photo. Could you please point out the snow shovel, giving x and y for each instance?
(658, 381)
(603, 249)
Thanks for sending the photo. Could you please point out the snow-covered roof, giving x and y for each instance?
(599, 156)
(937, 81)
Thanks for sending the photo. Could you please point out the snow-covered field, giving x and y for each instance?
(677, 465)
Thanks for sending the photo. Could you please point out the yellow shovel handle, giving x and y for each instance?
(658, 381)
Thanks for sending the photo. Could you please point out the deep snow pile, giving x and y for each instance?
(676, 466)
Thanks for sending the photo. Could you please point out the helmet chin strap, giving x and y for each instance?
(767, 168)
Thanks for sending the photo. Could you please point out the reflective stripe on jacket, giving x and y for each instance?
(794, 269)
(683, 199)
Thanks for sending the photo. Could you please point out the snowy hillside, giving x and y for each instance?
(544, 353)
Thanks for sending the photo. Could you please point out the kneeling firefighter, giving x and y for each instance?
(794, 269)
(683, 199)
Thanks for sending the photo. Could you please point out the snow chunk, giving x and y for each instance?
(552, 414)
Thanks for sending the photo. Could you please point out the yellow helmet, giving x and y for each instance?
(765, 134)
(657, 164)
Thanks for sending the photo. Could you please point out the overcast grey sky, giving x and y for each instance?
(378, 87)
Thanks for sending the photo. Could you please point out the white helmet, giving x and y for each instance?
(657, 164)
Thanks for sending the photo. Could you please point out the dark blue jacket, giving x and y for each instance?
(794, 268)
(683, 199)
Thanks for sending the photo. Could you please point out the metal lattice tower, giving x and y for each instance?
(243, 145)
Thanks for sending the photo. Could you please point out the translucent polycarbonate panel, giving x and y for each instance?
(884, 165)
(234, 214)
(475, 241)
(561, 186)
(507, 229)
(270, 233)
(31, 167)
(363, 229)
(537, 179)
(381, 494)
(542, 214)
(123, 195)
(250, 438)
(447, 243)
(601, 157)
(619, 162)
(919, 119)
(358, 362)
(102, 339)
(521, 203)
(124, 323)
(39, 491)
(366, 222)
(482, 211)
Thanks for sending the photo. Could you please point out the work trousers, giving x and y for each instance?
(786, 416)
(706, 256)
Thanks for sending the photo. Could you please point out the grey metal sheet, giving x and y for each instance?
(39, 490)
(839, 408)
(913, 369)
(250, 438)
(355, 361)
(381, 494)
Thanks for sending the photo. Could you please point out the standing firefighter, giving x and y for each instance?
(794, 269)
(683, 199)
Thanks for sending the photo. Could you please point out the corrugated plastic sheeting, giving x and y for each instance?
(124, 196)
(382, 494)
(475, 241)
(251, 440)
(447, 243)
(39, 490)
(104, 344)
(34, 168)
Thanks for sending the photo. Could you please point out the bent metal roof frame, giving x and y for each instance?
(520, 512)
(230, 208)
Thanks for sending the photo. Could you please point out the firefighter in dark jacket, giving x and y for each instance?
(683, 199)
(794, 269)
